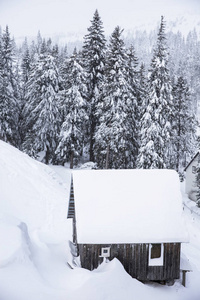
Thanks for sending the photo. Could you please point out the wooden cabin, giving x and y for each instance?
(133, 215)
(190, 178)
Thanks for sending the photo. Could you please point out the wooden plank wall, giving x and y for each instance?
(71, 206)
(134, 258)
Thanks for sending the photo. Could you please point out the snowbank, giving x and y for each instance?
(34, 231)
(30, 190)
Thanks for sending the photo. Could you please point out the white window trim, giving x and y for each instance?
(107, 254)
(156, 261)
(194, 169)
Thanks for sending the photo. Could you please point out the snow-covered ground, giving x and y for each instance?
(34, 234)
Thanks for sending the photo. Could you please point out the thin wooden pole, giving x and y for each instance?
(72, 160)
(107, 156)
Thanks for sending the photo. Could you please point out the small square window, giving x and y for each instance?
(105, 252)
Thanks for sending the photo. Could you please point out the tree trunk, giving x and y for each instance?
(72, 160)
(107, 156)
(47, 155)
(92, 143)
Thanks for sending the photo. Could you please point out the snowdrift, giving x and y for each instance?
(33, 225)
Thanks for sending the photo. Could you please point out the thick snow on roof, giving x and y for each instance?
(128, 206)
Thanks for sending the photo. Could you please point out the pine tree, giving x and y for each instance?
(142, 97)
(155, 133)
(72, 132)
(9, 110)
(94, 60)
(112, 139)
(26, 63)
(132, 107)
(184, 125)
(143, 91)
(56, 55)
(65, 70)
(39, 43)
(25, 68)
(41, 110)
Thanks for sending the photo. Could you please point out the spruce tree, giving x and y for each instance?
(156, 121)
(94, 60)
(25, 74)
(142, 97)
(143, 91)
(41, 110)
(72, 131)
(25, 63)
(9, 110)
(132, 107)
(112, 139)
(184, 125)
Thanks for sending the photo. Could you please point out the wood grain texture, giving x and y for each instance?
(134, 258)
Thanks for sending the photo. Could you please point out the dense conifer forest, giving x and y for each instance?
(118, 102)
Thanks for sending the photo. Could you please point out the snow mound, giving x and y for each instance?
(111, 281)
(34, 231)
(13, 244)
(30, 191)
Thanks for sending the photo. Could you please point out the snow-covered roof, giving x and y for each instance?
(128, 206)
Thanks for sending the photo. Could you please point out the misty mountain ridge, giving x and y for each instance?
(179, 23)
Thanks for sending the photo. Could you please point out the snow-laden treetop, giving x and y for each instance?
(128, 206)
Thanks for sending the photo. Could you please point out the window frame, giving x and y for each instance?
(158, 261)
(105, 254)
(194, 169)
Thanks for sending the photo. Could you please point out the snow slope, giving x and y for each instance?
(34, 234)
(33, 228)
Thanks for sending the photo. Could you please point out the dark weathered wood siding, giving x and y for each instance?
(71, 207)
(134, 258)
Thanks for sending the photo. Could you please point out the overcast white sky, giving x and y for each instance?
(26, 17)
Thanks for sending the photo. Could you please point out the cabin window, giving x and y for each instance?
(155, 250)
(105, 252)
(156, 254)
(194, 169)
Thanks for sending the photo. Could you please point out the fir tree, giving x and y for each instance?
(72, 131)
(143, 91)
(25, 68)
(41, 110)
(142, 97)
(132, 107)
(112, 139)
(56, 55)
(65, 85)
(184, 125)
(39, 43)
(9, 110)
(26, 63)
(94, 61)
(155, 133)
